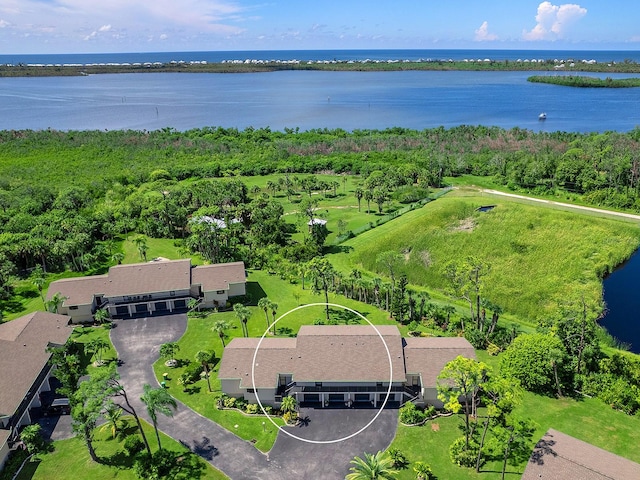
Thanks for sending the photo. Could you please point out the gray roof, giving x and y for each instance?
(23, 355)
(150, 277)
(427, 356)
(334, 353)
(559, 456)
(218, 276)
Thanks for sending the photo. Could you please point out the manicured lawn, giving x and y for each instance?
(200, 337)
(70, 459)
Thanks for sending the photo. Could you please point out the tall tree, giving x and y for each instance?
(358, 193)
(263, 303)
(462, 378)
(220, 326)
(372, 467)
(205, 358)
(86, 407)
(169, 350)
(242, 313)
(322, 273)
(273, 306)
(157, 401)
(390, 261)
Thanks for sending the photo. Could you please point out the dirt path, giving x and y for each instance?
(564, 205)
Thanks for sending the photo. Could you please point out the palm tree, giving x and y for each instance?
(288, 404)
(242, 313)
(55, 302)
(112, 414)
(423, 471)
(101, 315)
(274, 309)
(141, 244)
(263, 303)
(204, 358)
(359, 193)
(157, 400)
(220, 326)
(97, 346)
(118, 257)
(372, 467)
(169, 350)
(37, 278)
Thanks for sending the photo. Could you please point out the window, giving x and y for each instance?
(251, 390)
(220, 292)
(318, 384)
(172, 293)
(73, 307)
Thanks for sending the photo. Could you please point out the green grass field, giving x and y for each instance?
(538, 255)
(70, 459)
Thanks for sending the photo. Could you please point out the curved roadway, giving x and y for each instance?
(138, 341)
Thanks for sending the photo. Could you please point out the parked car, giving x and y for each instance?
(59, 406)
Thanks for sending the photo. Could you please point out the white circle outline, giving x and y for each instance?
(321, 442)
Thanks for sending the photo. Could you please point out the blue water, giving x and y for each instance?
(311, 99)
(623, 303)
(344, 55)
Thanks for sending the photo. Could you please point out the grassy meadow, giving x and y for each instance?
(538, 256)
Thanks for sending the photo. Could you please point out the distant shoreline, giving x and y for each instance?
(257, 66)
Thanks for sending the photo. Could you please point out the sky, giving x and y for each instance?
(105, 26)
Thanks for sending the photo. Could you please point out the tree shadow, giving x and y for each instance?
(337, 249)
(255, 291)
(203, 448)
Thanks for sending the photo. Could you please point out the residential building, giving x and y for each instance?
(153, 288)
(557, 455)
(350, 365)
(25, 369)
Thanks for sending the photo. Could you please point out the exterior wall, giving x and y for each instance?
(212, 299)
(82, 314)
(267, 397)
(236, 289)
(4, 453)
(430, 397)
(231, 387)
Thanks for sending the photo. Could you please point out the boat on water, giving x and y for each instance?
(542, 116)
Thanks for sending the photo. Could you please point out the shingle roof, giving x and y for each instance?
(427, 356)
(218, 276)
(559, 456)
(337, 353)
(23, 355)
(139, 278)
(79, 290)
(150, 277)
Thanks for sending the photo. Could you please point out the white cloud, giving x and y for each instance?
(483, 35)
(553, 21)
(71, 20)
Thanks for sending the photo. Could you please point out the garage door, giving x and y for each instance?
(142, 308)
(161, 306)
(312, 397)
(122, 310)
(362, 397)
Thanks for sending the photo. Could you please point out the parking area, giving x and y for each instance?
(299, 459)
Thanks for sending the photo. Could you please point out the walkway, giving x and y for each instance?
(138, 341)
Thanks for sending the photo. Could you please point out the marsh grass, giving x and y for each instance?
(539, 256)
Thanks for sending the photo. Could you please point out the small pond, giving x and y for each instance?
(622, 297)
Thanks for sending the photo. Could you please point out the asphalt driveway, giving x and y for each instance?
(331, 460)
(138, 341)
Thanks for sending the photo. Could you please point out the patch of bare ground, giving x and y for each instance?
(465, 225)
(425, 256)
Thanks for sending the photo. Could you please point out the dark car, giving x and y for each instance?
(59, 406)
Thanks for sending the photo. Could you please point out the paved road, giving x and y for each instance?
(138, 341)
(565, 205)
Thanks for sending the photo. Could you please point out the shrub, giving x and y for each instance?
(423, 471)
(229, 402)
(252, 408)
(399, 458)
(133, 445)
(461, 455)
(290, 417)
(410, 414)
(192, 372)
